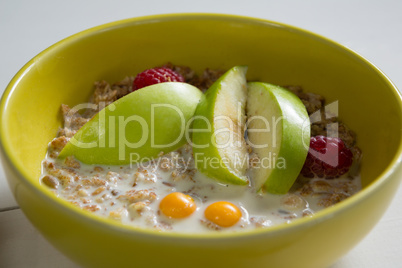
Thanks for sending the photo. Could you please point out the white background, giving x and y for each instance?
(372, 28)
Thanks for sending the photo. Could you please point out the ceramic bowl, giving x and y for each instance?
(280, 54)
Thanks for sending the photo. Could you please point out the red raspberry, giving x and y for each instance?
(155, 76)
(327, 157)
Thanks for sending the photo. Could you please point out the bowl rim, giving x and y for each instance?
(133, 231)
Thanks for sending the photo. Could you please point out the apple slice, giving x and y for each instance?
(218, 129)
(278, 131)
(137, 127)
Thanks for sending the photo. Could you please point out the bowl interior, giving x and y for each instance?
(275, 53)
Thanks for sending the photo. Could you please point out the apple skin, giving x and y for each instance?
(124, 132)
(293, 136)
(208, 159)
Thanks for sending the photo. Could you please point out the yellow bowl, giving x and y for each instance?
(64, 73)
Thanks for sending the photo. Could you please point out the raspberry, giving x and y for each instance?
(155, 76)
(327, 157)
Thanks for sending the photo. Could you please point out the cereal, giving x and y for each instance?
(71, 162)
(293, 202)
(98, 190)
(118, 214)
(82, 192)
(50, 181)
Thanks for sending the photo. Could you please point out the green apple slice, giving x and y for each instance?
(278, 131)
(219, 146)
(137, 127)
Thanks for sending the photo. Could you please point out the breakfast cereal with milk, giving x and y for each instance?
(133, 194)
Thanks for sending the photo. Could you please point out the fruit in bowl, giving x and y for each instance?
(161, 187)
(73, 231)
(103, 140)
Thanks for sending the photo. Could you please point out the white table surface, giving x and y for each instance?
(372, 28)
